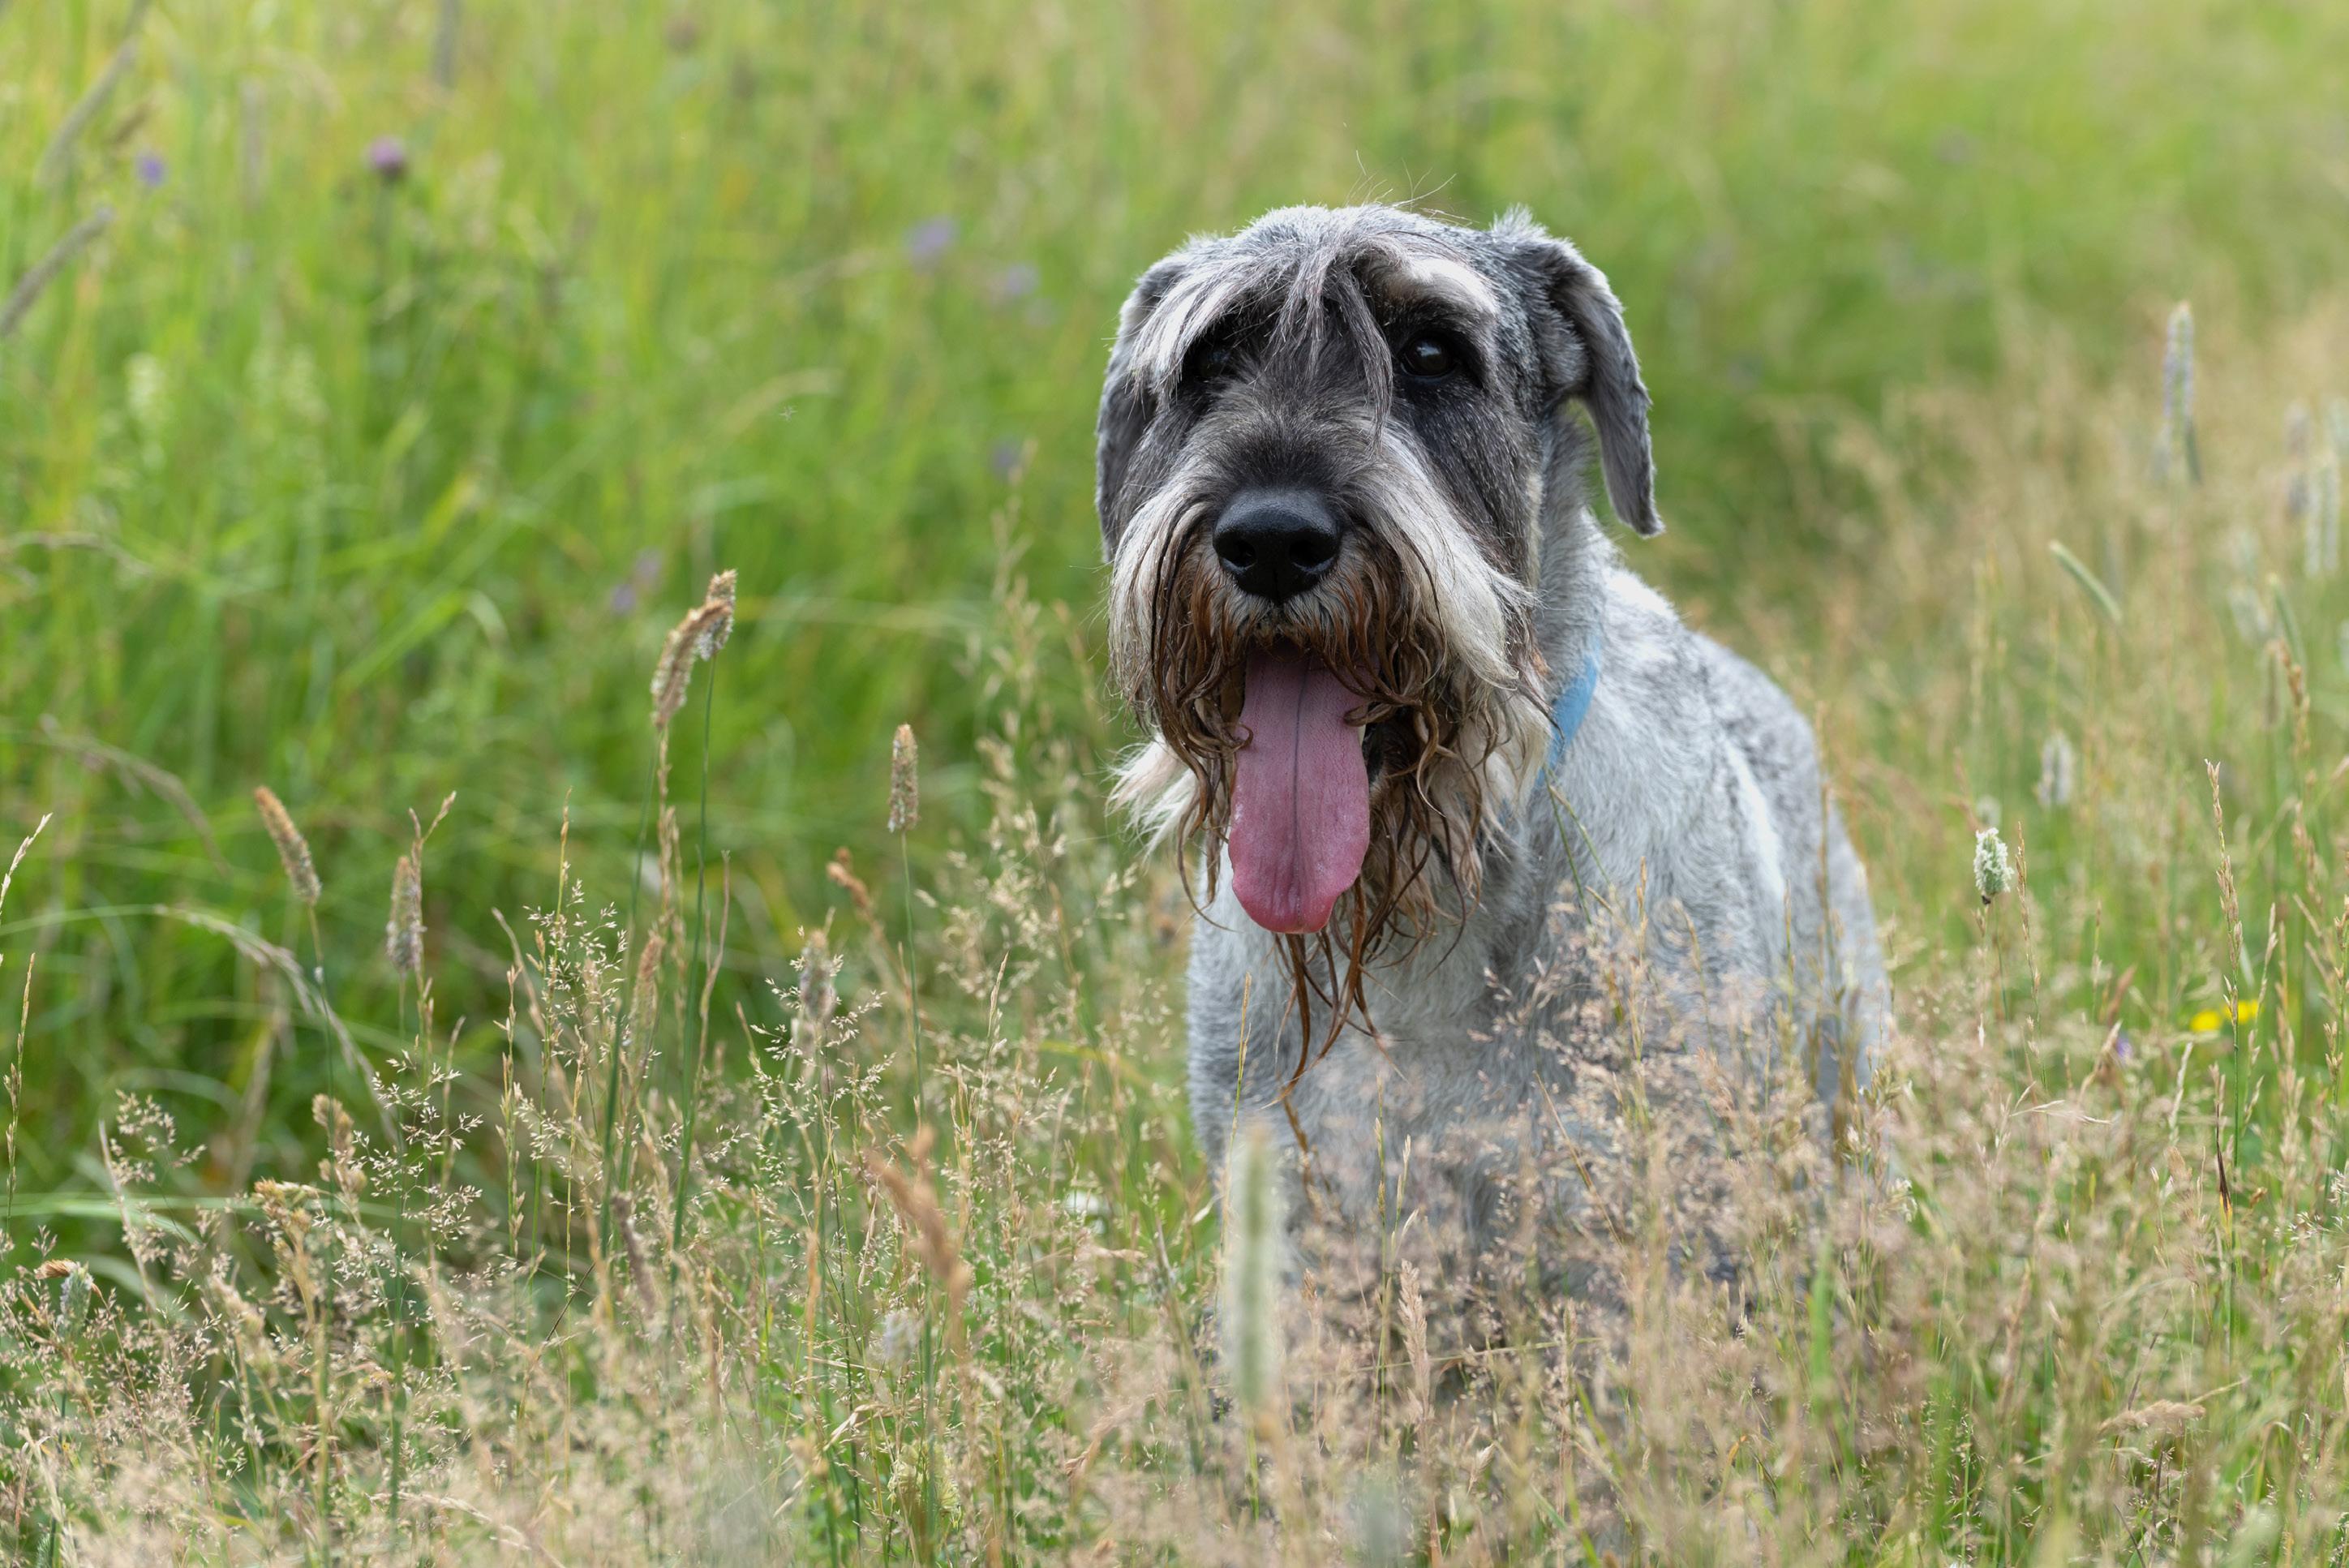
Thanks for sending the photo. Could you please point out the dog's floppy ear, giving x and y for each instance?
(1585, 351)
(1128, 399)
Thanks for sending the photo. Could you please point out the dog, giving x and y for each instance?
(1499, 870)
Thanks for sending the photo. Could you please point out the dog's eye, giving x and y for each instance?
(1211, 362)
(1429, 357)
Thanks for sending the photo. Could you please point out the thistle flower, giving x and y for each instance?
(388, 156)
(1252, 1225)
(703, 632)
(403, 937)
(2059, 765)
(1993, 871)
(293, 849)
(2178, 395)
(904, 785)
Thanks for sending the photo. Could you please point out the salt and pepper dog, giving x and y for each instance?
(1500, 870)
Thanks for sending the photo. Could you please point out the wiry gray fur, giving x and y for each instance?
(1678, 889)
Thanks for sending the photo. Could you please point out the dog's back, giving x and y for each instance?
(1678, 921)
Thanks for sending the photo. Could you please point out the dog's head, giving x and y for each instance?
(1325, 444)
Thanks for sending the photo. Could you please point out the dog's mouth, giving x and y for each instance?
(1300, 820)
(1338, 747)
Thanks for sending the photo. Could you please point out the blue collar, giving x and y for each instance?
(1573, 704)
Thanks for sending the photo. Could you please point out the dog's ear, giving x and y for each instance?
(1586, 353)
(1128, 398)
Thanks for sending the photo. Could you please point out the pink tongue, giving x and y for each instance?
(1301, 799)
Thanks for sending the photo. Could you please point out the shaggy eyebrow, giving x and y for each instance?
(1409, 276)
(1196, 305)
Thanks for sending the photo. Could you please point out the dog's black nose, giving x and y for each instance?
(1276, 543)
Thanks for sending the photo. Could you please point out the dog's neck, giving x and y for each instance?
(1570, 560)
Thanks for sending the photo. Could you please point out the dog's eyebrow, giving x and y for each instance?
(1405, 274)
(1197, 301)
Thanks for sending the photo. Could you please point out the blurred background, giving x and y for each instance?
(381, 380)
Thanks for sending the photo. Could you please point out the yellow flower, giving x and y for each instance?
(2211, 1019)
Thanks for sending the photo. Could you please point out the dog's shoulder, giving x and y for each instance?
(1759, 718)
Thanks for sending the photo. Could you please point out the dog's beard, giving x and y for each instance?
(1447, 700)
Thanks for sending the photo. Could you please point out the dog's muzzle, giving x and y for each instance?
(1300, 788)
(1277, 544)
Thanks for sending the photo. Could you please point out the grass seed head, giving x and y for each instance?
(293, 849)
(930, 1237)
(1994, 870)
(818, 998)
(2177, 445)
(720, 626)
(2178, 367)
(403, 937)
(647, 992)
(2059, 768)
(1252, 1228)
(905, 783)
(73, 1294)
(703, 632)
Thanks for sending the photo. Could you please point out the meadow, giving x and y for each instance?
(757, 1137)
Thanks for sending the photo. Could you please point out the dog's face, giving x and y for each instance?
(1324, 449)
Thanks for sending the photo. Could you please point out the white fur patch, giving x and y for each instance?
(1190, 307)
(1146, 551)
(1155, 789)
(1427, 276)
(1476, 607)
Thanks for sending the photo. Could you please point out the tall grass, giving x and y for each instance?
(2095, 1317)
(367, 477)
(373, 487)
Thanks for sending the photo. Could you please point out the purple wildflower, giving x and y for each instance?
(388, 156)
(644, 575)
(1005, 457)
(1016, 282)
(151, 169)
(929, 240)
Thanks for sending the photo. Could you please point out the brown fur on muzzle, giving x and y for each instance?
(1432, 728)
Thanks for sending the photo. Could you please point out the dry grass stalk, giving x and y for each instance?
(928, 1234)
(699, 635)
(42, 273)
(293, 849)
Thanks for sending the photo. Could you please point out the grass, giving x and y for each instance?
(368, 490)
